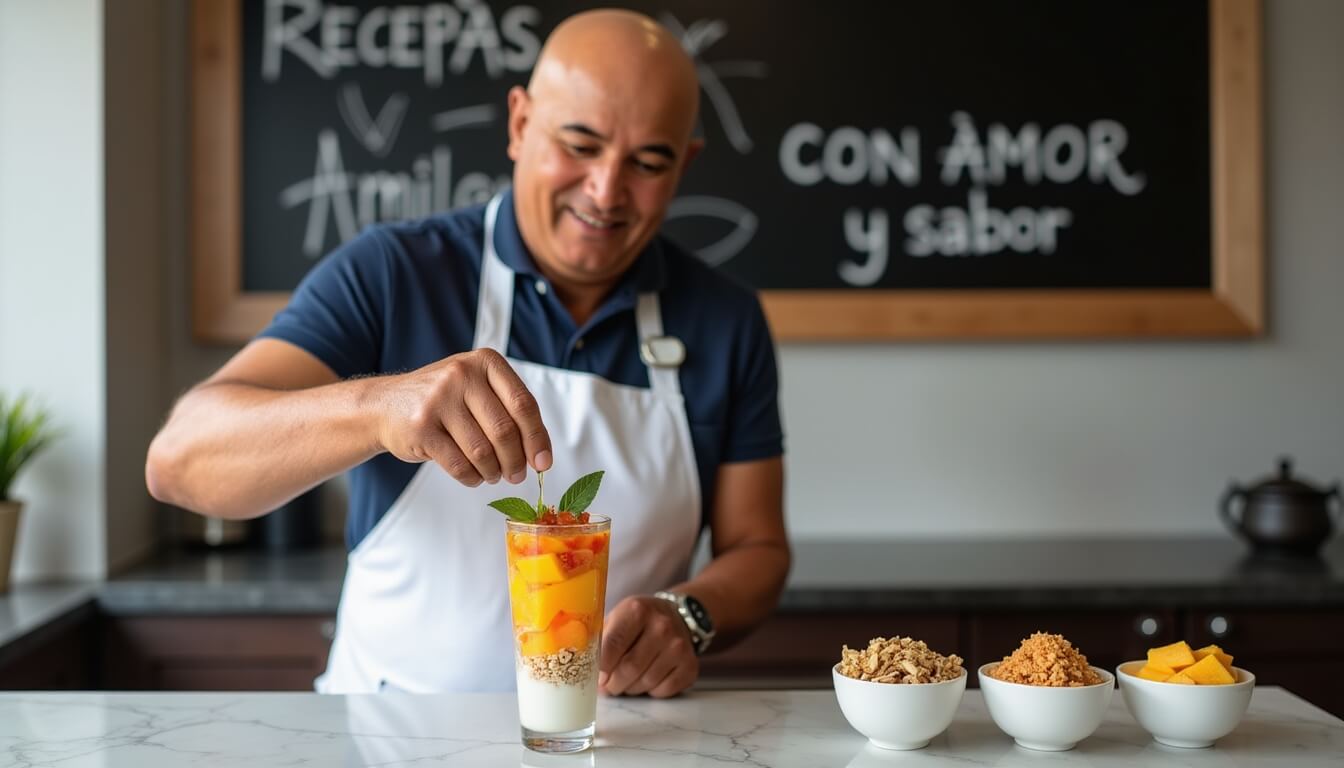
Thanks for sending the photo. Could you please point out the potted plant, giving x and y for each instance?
(25, 429)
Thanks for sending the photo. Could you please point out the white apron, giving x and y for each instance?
(425, 603)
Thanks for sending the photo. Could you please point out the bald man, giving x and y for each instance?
(551, 329)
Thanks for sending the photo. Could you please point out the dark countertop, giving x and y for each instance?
(827, 576)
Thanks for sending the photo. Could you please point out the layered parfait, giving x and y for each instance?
(557, 561)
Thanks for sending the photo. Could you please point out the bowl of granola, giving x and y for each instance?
(1045, 694)
(898, 692)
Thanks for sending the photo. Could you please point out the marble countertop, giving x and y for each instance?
(767, 729)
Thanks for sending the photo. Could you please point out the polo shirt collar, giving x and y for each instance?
(647, 274)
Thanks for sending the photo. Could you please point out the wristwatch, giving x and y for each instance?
(697, 619)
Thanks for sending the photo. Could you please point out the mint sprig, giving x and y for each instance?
(581, 493)
(516, 509)
(574, 501)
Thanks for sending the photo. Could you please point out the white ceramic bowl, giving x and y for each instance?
(1190, 716)
(1043, 717)
(898, 715)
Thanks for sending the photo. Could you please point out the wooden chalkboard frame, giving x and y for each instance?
(1232, 307)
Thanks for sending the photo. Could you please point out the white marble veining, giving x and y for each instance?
(769, 729)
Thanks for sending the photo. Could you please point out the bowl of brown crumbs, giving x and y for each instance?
(1045, 694)
(898, 692)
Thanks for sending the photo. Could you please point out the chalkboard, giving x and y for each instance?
(962, 168)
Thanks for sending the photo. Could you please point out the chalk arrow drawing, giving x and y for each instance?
(377, 135)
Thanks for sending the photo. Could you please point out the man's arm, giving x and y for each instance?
(646, 647)
(275, 421)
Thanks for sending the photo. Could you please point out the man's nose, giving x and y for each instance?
(605, 184)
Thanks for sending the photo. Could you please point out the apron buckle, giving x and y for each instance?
(662, 351)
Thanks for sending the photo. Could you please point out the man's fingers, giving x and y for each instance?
(498, 426)
(472, 442)
(627, 649)
(441, 449)
(619, 632)
(677, 680)
(660, 667)
(522, 406)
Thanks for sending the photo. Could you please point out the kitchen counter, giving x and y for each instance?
(768, 729)
(828, 575)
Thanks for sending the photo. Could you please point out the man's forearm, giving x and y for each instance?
(740, 587)
(238, 450)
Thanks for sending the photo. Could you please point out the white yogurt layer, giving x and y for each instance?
(551, 708)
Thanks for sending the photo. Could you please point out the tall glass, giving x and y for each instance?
(557, 589)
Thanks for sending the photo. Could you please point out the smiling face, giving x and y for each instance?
(599, 140)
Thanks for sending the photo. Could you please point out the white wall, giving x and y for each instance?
(52, 271)
(1128, 438)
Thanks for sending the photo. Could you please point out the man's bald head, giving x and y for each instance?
(625, 52)
(599, 140)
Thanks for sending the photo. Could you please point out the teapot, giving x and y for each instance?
(1281, 515)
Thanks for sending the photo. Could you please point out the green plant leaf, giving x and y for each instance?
(24, 431)
(580, 494)
(516, 509)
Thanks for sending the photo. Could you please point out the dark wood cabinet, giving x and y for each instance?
(58, 657)
(799, 649)
(1303, 652)
(215, 653)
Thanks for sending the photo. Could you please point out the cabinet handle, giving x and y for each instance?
(1219, 626)
(328, 630)
(1148, 626)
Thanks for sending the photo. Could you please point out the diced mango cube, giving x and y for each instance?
(567, 634)
(1180, 677)
(1156, 672)
(571, 634)
(1177, 656)
(540, 569)
(531, 544)
(517, 598)
(576, 595)
(1209, 671)
(1213, 650)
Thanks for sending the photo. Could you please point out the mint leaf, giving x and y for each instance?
(580, 494)
(516, 508)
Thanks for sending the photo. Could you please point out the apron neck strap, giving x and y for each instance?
(494, 308)
(649, 325)
(494, 305)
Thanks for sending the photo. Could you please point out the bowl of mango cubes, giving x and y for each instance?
(1186, 697)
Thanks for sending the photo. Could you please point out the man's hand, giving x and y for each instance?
(646, 648)
(469, 413)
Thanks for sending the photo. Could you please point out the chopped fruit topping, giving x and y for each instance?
(1176, 663)
(1181, 678)
(574, 561)
(570, 510)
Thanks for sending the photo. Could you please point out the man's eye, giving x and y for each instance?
(650, 167)
(581, 150)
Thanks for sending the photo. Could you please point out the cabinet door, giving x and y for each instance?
(1107, 638)
(215, 653)
(797, 650)
(1302, 651)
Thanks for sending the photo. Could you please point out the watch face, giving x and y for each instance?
(699, 613)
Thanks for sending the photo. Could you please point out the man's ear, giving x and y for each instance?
(693, 148)
(520, 107)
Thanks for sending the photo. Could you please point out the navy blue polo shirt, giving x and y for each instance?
(401, 296)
